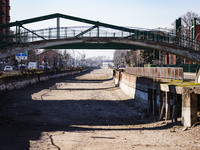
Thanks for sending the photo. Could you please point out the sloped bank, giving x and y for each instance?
(21, 81)
(160, 98)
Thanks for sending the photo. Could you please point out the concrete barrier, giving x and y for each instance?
(134, 86)
(26, 82)
(161, 99)
(197, 80)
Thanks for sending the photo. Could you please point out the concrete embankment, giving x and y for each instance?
(160, 98)
(23, 82)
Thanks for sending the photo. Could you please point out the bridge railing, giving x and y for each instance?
(25, 36)
(70, 32)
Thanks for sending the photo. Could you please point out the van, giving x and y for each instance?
(32, 65)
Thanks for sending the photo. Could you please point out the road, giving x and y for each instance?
(86, 112)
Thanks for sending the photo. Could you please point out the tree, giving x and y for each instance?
(13, 61)
(147, 56)
(150, 56)
(119, 58)
(133, 58)
(187, 22)
(32, 56)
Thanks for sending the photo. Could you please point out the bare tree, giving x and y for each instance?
(187, 22)
(66, 58)
(119, 58)
(131, 58)
(32, 56)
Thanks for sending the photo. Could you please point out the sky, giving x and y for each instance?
(149, 14)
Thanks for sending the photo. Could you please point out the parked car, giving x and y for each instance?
(41, 67)
(8, 68)
(23, 67)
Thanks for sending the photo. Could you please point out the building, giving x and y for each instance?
(195, 33)
(195, 29)
(170, 59)
(4, 14)
(50, 57)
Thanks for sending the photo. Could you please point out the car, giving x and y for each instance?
(23, 67)
(8, 68)
(41, 67)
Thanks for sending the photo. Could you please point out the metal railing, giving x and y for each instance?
(25, 35)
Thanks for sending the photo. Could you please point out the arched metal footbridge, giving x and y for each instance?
(97, 35)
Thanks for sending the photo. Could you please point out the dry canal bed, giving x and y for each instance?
(83, 113)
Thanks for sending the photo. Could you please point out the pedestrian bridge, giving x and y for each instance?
(95, 35)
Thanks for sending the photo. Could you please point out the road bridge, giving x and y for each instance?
(96, 36)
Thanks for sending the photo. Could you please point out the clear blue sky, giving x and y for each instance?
(134, 13)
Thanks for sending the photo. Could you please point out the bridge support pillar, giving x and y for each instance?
(150, 101)
(167, 110)
(162, 105)
(174, 112)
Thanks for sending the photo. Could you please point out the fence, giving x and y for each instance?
(157, 72)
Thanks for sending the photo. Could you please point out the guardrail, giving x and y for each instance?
(157, 72)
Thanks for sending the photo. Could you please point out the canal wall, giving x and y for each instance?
(26, 82)
(157, 72)
(168, 102)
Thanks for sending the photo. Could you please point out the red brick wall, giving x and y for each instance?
(51, 56)
(198, 32)
(156, 72)
(4, 13)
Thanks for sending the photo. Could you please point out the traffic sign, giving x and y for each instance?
(21, 56)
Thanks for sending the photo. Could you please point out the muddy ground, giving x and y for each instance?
(85, 112)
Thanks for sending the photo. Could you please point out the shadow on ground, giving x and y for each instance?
(23, 119)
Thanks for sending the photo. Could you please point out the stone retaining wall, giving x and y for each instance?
(24, 83)
(161, 99)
